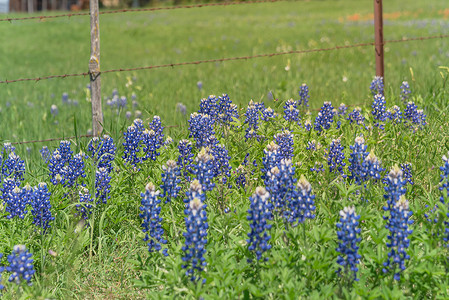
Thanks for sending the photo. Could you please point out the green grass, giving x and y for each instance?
(109, 260)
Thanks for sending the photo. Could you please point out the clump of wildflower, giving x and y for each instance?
(444, 188)
(41, 206)
(209, 106)
(150, 145)
(397, 224)
(378, 111)
(268, 114)
(356, 116)
(13, 166)
(258, 215)
(302, 204)
(170, 180)
(271, 159)
(336, 157)
(407, 172)
(325, 117)
(348, 232)
(17, 200)
(20, 265)
(377, 86)
(203, 169)
(372, 167)
(195, 239)
(185, 158)
(394, 114)
(201, 129)
(85, 203)
(133, 139)
(152, 222)
(280, 183)
(415, 115)
(102, 186)
(252, 119)
(395, 187)
(291, 112)
(405, 91)
(226, 110)
(221, 162)
(45, 154)
(304, 95)
(158, 129)
(356, 160)
(285, 141)
(102, 150)
(342, 109)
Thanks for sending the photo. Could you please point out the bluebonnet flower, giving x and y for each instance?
(41, 206)
(13, 166)
(304, 95)
(20, 265)
(185, 158)
(317, 167)
(307, 125)
(280, 183)
(195, 239)
(397, 224)
(240, 180)
(356, 116)
(199, 85)
(203, 169)
(102, 186)
(258, 215)
(415, 115)
(342, 109)
(8, 148)
(395, 187)
(226, 110)
(45, 154)
(311, 145)
(444, 188)
(181, 108)
(285, 141)
(150, 145)
(170, 180)
(268, 114)
(377, 86)
(221, 165)
(252, 119)
(405, 91)
(17, 200)
(407, 172)
(325, 117)
(209, 106)
(133, 139)
(336, 157)
(201, 128)
(372, 167)
(195, 191)
(270, 95)
(152, 222)
(158, 129)
(394, 114)
(348, 232)
(378, 111)
(74, 170)
(302, 204)
(102, 150)
(8, 185)
(65, 97)
(85, 203)
(356, 168)
(291, 112)
(54, 110)
(272, 157)
(168, 141)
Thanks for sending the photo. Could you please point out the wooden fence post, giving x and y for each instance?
(379, 38)
(94, 69)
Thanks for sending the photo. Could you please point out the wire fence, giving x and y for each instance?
(89, 73)
(197, 62)
(106, 12)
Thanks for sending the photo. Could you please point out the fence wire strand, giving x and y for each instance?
(107, 12)
(227, 59)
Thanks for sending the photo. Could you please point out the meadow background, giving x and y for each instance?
(110, 260)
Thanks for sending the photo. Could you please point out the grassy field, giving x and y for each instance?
(109, 260)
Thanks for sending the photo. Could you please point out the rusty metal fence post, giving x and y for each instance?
(379, 38)
(94, 69)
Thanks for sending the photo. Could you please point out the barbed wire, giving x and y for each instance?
(106, 12)
(225, 59)
(52, 139)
